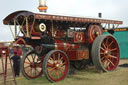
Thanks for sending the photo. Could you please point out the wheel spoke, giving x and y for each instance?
(33, 57)
(61, 71)
(50, 73)
(110, 44)
(50, 65)
(26, 67)
(60, 59)
(102, 58)
(37, 70)
(114, 49)
(62, 64)
(54, 58)
(103, 61)
(111, 62)
(108, 67)
(107, 42)
(104, 46)
(51, 69)
(29, 60)
(113, 56)
(101, 53)
(106, 63)
(57, 73)
(30, 70)
(51, 58)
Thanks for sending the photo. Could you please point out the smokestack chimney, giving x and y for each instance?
(42, 6)
(100, 15)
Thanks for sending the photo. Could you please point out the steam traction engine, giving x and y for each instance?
(60, 41)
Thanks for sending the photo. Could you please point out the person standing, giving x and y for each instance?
(18, 52)
(16, 64)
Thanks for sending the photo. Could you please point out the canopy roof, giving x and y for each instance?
(21, 14)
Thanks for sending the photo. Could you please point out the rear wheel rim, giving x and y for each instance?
(109, 53)
(105, 53)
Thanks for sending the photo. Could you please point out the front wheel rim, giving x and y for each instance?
(56, 67)
(32, 66)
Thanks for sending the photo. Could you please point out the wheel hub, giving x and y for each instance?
(57, 65)
(107, 52)
(33, 65)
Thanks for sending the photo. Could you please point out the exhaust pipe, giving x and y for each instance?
(42, 6)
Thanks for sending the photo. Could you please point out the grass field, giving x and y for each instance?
(85, 77)
(89, 76)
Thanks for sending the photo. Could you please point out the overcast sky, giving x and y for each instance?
(110, 9)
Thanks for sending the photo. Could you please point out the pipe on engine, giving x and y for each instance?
(61, 45)
(42, 6)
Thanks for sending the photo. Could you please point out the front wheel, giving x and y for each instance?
(31, 65)
(55, 65)
(105, 53)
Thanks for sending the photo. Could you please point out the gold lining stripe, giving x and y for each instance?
(56, 46)
(73, 46)
(65, 46)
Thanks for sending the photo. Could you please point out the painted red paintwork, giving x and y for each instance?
(73, 51)
(79, 37)
(83, 54)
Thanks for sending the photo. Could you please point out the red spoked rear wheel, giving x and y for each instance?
(105, 53)
(55, 65)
